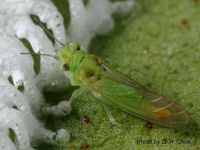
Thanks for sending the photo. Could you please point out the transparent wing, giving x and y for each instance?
(134, 99)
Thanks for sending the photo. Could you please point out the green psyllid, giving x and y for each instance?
(114, 88)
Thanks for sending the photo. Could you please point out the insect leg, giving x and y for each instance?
(56, 82)
(112, 119)
(74, 95)
(56, 110)
(63, 107)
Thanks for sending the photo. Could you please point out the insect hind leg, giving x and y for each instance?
(112, 119)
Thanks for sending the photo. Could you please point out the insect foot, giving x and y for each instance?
(66, 108)
(116, 123)
(58, 110)
(112, 119)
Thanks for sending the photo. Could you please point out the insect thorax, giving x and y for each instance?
(87, 71)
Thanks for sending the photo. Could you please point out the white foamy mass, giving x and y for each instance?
(20, 108)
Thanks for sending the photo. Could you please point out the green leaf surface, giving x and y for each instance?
(158, 47)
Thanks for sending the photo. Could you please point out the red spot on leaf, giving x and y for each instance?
(85, 147)
(196, 1)
(86, 119)
(149, 125)
(184, 22)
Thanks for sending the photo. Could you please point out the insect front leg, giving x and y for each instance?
(63, 107)
(74, 95)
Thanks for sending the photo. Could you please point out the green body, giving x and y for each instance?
(113, 87)
(81, 67)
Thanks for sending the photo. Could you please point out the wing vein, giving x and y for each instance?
(164, 107)
(155, 100)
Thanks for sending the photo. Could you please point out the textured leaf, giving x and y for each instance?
(158, 47)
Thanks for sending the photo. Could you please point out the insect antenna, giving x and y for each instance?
(40, 54)
(51, 35)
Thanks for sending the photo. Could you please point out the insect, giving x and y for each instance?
(112, 87)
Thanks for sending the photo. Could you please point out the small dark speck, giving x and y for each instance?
(187, 133)
(57, 16)
(176, 131)
(175, 71)
(185, 22)
(58, 25)
(85, 147)
(16, 124)
(190, 105)
(147, 67)
(149, 85)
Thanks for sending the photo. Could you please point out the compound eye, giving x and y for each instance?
(65, 67)
(78, 47)
(75, 46)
